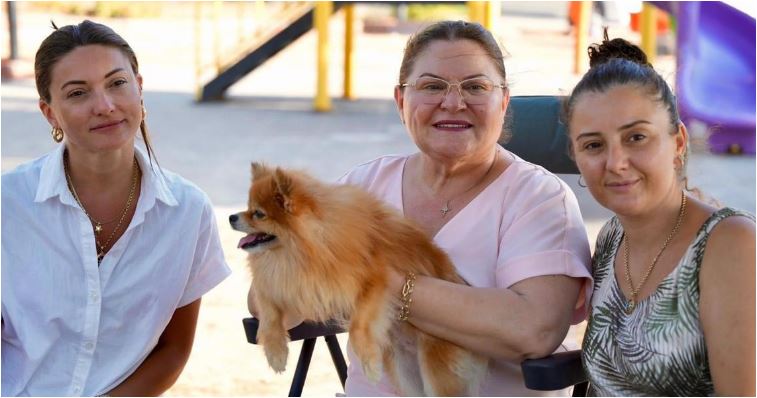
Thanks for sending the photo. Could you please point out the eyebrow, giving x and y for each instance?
(623, 127)
(107, 75)
(634, 123)
(465, 78)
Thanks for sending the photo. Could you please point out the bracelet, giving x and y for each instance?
(405, 299)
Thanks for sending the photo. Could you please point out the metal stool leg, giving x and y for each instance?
(336, 355)
(301, 372)
(580, 389)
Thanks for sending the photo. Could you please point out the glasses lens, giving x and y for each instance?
(477, 91)
(431, 90)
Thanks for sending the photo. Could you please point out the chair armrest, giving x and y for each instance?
(305, 330)
(555, 372)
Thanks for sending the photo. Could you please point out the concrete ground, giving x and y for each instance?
(268, 116)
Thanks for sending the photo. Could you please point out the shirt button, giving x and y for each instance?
(93, 296)
(77, 389)
(89, 346)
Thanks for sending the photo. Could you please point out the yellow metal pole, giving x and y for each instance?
(198, 50)
(649, 31)
(475, 13)
(349, 59)
(580, 58)
(488, 17)
(321, 14)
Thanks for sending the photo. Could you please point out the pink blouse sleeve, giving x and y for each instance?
(542, 233)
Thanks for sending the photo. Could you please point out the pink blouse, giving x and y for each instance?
(526, 223)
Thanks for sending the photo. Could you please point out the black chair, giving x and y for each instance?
(308, 332)
(554, 372)
(538, 137)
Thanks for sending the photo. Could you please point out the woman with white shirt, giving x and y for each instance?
(105, 255)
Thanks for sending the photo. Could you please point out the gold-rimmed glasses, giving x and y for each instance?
(475, 91)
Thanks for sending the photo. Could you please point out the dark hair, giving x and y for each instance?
(449, 31)
(65, 39)
(617, 62)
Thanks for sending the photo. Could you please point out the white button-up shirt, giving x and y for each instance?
(70, 327)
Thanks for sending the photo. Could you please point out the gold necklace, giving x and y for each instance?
(446, 208)
(631, 304)
(97, 226)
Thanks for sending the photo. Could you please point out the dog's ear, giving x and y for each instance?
(259, 170)
(284, 185)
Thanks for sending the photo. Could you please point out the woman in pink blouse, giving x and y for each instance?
(513, 230)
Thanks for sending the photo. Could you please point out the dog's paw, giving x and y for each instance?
(277, 358)
(372, 370)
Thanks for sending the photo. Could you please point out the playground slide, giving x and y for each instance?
(258, 54)
(715, 83)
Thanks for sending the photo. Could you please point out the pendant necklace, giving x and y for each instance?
(444, 210)
(631, 303)
(97, 225)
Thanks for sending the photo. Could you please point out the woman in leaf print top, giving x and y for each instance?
(673, 310)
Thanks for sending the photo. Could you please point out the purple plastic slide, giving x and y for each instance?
(715, 82)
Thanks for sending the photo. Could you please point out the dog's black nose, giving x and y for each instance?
(233, 218)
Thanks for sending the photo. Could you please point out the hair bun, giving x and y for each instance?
(616, 48)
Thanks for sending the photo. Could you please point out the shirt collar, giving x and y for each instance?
(154, 183)
(52, 180)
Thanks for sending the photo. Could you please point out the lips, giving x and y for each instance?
(107, 125)
(621, 185)
(452, 125)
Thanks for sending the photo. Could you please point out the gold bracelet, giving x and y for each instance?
(405, 299)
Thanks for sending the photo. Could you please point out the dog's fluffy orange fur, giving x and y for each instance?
(323, 251)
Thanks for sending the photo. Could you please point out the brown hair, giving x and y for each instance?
(455, 30)
(67, 38)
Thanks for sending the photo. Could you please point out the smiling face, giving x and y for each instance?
(95, 97)
(624, 147)
(453, 128)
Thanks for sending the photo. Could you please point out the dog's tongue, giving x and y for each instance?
(248, 239)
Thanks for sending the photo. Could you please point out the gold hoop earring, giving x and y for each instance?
(57, 134)
(580, 181)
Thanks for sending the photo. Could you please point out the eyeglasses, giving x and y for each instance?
(475, 91)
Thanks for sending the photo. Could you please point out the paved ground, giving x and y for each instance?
(268, 117)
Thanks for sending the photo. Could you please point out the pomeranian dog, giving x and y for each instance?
(323, 252)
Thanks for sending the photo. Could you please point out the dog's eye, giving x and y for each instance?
(258, 214)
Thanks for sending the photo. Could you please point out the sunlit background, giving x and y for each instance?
(276, 112)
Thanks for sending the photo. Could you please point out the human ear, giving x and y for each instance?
(139, 82)
(682, 139)
(47, 111)
(505, 100)
(399, 100)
